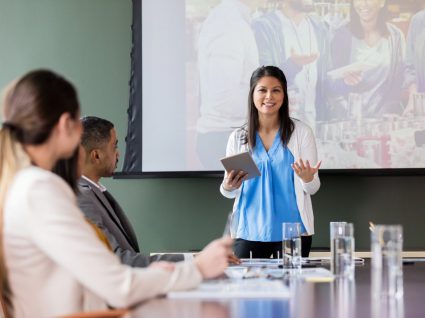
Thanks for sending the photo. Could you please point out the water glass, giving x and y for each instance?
(342, 249)
(387, 269)
(291, 245)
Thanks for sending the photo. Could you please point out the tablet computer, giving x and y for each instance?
(242, 161)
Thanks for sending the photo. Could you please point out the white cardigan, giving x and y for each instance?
(302, 145)
(57, 265)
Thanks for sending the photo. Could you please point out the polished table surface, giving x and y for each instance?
(340, 298)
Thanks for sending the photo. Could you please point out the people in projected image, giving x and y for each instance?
(227, 55)
(372, 52)
(284, 150)
(415, 57)
(416, 49)
(297, 42)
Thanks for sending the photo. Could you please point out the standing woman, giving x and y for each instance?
(51, 262)
(284, 150)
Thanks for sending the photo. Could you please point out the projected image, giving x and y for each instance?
(355, 71)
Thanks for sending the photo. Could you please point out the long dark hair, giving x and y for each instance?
(32, 107)
(286, 124)
(356, 26)
(68, 169)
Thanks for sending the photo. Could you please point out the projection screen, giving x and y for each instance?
(355, 71)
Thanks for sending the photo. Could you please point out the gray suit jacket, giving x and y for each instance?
(104, 211)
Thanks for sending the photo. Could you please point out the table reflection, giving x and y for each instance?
(163, 307)
(387, 307)
(343, 298)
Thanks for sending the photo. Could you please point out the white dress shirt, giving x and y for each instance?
(100, 186)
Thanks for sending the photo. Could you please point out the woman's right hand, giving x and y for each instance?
(213, 259)
(234, 180)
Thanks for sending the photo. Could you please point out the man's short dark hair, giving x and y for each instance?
(96, 133)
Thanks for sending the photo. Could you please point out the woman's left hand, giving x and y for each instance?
(304, 171)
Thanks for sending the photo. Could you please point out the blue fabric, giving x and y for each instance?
(269, 200)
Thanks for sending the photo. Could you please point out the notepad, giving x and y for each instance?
(261, 261)
(241, 162)
(318, 274)
(239, 288)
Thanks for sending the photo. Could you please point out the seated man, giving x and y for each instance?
(99, 141)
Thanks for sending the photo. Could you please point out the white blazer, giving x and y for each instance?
(302, 145)
(57, 265)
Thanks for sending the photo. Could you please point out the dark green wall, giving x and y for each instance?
(89, 42)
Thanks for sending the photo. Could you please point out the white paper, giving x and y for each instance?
(235, 288)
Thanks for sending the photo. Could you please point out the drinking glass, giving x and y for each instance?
(342, 249)
(291, 245)
(387, 269)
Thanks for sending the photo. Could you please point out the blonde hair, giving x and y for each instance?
(12, 159)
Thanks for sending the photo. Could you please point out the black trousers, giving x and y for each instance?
(242, 248)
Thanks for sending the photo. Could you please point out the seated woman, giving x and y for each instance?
(51, 261)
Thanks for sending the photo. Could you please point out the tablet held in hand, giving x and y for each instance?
(241, 162)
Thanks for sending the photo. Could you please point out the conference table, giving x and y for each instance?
(339, 298)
